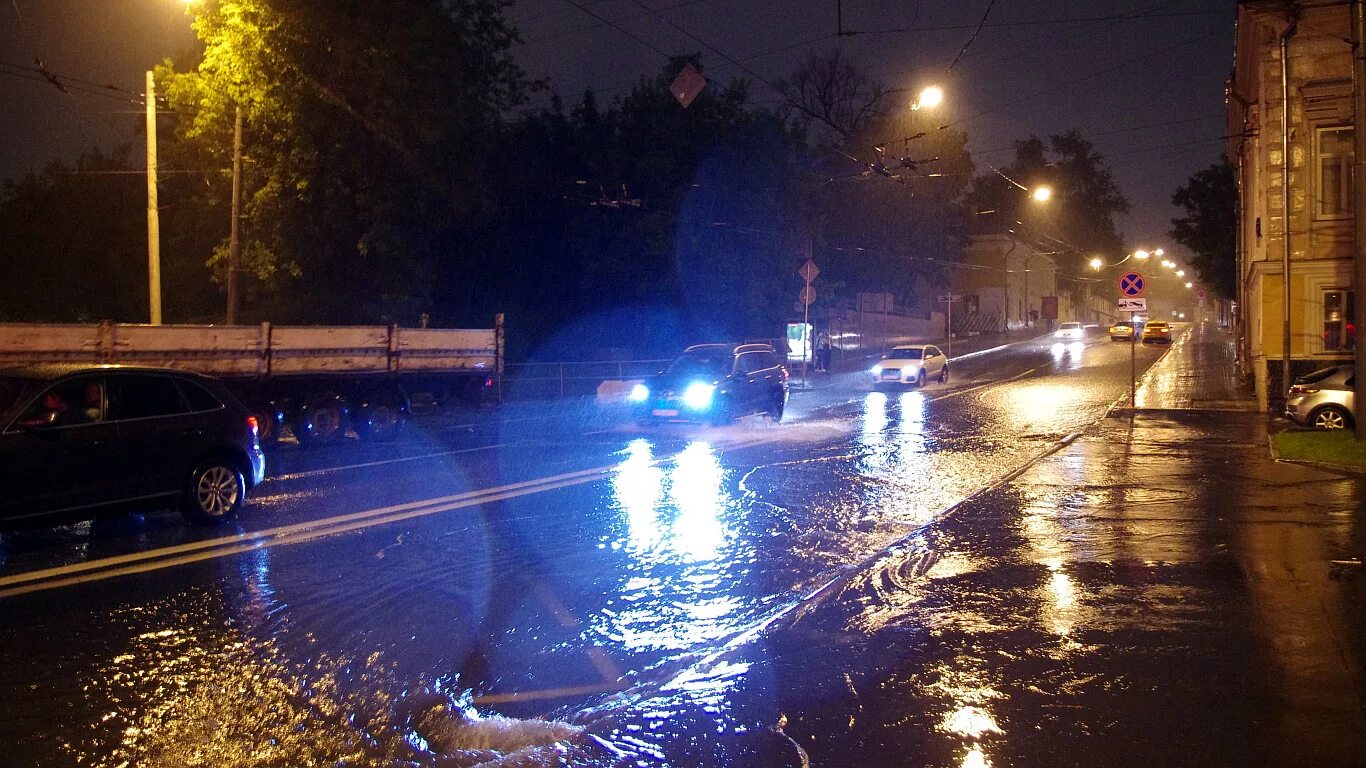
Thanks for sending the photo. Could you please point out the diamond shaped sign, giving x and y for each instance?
(687, 85)
(809, 271)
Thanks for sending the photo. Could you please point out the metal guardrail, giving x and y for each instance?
(522, 381)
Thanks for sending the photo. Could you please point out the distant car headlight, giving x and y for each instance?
(639, 394)
(698, 396)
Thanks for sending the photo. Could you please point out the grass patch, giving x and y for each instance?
(1329, 446)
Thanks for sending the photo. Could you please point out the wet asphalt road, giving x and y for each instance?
(549, 585)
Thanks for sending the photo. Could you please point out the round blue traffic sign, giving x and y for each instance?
(1131, 285)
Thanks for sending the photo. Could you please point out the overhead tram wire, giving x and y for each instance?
(957, 27)
(973, 37)
(591, 27)
(1052, 89)
(744, 68)
(622, 30)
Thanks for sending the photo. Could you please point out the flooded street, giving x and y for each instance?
(985, 572)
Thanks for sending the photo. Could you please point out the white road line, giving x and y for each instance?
(982, 386)
(166, 557)
(381, 462)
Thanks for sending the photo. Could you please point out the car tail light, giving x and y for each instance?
(1303, 390)
(488, 382)
(253, 425)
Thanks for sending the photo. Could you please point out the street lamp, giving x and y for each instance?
(1188, 285)
(1096, 263)
(929, 98)
(1042, 194)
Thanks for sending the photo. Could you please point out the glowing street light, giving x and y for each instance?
(929, 98)
(1042, 194)
(1180, 273)
(1096, 263)
(1188, 285)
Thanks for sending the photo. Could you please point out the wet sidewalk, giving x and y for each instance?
(1199, 372)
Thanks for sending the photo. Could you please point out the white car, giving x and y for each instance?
(911, 364)
(1069, 331)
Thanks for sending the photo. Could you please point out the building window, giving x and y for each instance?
(1339, 331)
(1334, 172)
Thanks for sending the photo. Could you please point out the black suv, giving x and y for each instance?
(77, 439)
(716, 383)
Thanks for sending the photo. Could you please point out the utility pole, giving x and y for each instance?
(1285, 202)
(153, 219)
(234, 234)
(1359, 205)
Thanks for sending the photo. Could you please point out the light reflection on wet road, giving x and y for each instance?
(618, 599)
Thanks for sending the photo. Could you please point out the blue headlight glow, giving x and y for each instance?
(876, 369)
(698, 395)
(639, 393)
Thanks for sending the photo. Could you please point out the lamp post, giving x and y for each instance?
(153, 218)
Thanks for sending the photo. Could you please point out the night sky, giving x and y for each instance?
(1148, 91)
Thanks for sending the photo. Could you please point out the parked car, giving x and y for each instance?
(911, 364)
(1122, 331)
(1157, 331)
(1069, 330)
(80, 439)
(1324, 399)
(715, 383)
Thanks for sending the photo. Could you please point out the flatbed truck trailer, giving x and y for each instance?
(319, 381)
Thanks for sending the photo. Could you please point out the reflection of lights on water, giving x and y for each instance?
(975, 758)
(1063, 596)
(970, 721)
(674, 514)
(1037, 400)
(695, 486)
(912, 411)
(638, 487)
(1072, 349)
(875, 413)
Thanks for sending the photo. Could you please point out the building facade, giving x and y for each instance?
(1293, 63)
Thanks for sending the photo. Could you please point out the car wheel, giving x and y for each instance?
(322, 419)
(216, 491)
(775, 411)
(1330, 417)
(382, 418)
(944, 375)
(720, 413)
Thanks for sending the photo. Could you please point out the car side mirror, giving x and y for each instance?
(883, 357)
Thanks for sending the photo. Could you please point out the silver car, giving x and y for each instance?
(1323, 399)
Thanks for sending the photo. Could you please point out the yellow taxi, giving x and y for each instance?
(1157, 331)
(1122, 331)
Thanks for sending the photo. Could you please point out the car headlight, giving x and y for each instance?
(639, 394)
(875, 370)
(698, 395)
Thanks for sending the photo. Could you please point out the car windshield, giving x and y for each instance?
(1070, 326)
(15, 390)
(1124, 324)
(701, 362)
(905, 354)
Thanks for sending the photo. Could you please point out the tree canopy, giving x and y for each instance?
(1210, 224)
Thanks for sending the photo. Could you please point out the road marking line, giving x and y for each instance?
(982, 386)
(166, 557)
(381, 462)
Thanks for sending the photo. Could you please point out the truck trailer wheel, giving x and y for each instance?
(269, 421)
(322, 419)
(382, 416)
